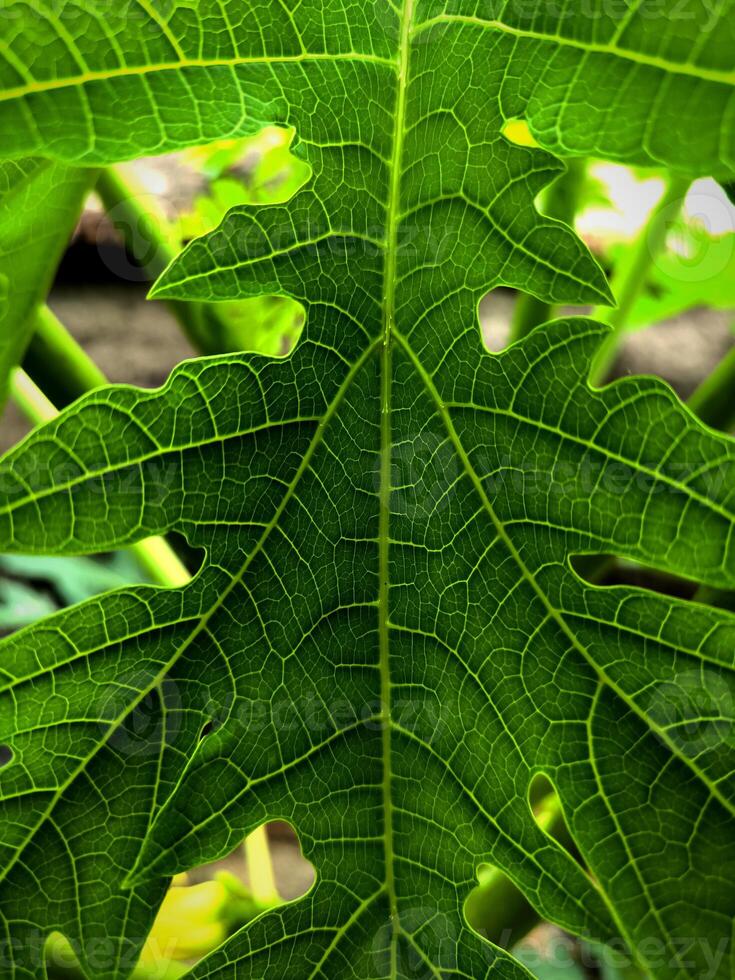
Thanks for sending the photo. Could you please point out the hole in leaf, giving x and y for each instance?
(191, 556)
(538, 789)
(610, 570)
(207, 729)
(258, 170)
(6, 754)
(61, 959)
(207, 904)
(497, 909)
(264, 324)
(57, 582)
(496, 312)
(294, 874)
(518, 132)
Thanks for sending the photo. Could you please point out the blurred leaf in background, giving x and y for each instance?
(22, 604)
(33, 586)
(696, 269)
(551, 954)
(258, 170)
(697, 266)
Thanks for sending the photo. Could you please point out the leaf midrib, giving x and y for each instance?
(393, 221)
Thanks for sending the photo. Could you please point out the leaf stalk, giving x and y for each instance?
(151, 241)
(632, 273)
(714, 400)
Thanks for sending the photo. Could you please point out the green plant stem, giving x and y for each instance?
(260, 868)
(142, 222)
(561, 202)
(714, 403)
(150, 239)
(632, 274)
(57, 363)
(29, 398)
(714, 399)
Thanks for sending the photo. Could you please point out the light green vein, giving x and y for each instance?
(389, 312)
(587, 47)
(132, 71)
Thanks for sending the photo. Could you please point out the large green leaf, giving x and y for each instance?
(387, 641)
(39, 205)
(390, 642)
(630, 80)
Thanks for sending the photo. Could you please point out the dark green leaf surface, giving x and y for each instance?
(39, 205)
(387, 641)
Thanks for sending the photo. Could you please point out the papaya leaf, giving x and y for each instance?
(387, 641)
(636, 82)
